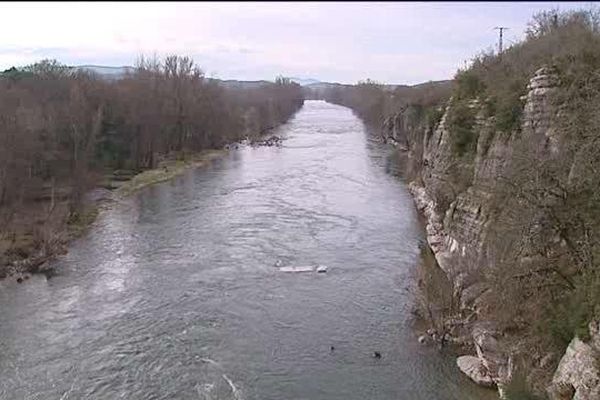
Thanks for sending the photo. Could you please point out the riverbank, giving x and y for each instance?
(23, 252)
(28, 249)
(167, 170)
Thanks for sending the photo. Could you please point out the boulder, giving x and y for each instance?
(474, 369)
(492, 353)
(578, 373)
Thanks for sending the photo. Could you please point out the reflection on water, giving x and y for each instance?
(174, 293)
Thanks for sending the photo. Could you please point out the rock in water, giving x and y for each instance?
(297, 269)
(303, 268)
(474, 369)
(322, 268)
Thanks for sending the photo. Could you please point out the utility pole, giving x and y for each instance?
(501, 29)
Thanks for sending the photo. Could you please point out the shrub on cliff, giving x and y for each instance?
(461, 125)
(433, 115)
(468, 85)
(571, 317)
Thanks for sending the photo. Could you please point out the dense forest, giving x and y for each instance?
(62, 129)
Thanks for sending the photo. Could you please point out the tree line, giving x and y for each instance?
(62, 128)
(373, 101)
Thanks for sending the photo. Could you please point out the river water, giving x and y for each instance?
(173, 293)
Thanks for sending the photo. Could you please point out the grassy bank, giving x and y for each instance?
(166, 170)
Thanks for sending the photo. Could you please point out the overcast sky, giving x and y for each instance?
(343, 42)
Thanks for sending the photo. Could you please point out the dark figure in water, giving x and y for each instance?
(443, 340)
(331, 348)
(377, 354)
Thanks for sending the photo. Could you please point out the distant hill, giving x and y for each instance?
(105, 71)
(418, 92)
(108, 72)
(310, 84)
(325, 85)
(233, 83)
(304, 81)
(299, 81)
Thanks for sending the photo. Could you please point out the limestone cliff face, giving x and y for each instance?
(457, 198)
(463, 213)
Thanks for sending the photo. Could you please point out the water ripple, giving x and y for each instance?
(174, 293)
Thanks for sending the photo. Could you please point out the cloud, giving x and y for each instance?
(392, 42)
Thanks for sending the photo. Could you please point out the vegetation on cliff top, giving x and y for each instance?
(565, 41)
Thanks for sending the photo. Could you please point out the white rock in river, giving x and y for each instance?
(297, 269)
(474, 369)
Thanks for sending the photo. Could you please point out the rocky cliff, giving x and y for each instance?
(471, 230)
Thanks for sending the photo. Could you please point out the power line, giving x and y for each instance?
(501, 29)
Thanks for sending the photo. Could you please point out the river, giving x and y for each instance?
(173, 293)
